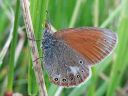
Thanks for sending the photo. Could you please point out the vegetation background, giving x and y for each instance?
(110, 78)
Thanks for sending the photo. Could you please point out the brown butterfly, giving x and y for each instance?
(69, 53)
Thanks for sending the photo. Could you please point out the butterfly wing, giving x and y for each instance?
(65, 66)
(94, 44)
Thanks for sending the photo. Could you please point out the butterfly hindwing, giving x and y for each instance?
(65, 66)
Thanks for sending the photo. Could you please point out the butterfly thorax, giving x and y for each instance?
(49, 39)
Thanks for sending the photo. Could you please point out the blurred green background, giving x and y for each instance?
(110, 78)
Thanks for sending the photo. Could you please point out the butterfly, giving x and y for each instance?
(70, 53)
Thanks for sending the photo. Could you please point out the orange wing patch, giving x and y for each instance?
(92, 43)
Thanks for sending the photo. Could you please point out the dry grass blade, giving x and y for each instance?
(34, 52)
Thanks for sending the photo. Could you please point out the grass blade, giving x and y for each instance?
(12, 50)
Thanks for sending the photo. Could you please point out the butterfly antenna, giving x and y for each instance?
(47, 16)
(47, 26)
(47, 23)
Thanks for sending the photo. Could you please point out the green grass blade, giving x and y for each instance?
(100, 91)
(12, 49)
(38, 11)
(120, 63)
(32, 84)
(76, 12)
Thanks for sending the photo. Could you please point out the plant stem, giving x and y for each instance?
(12, 50)
(75, 13)
(33, 46)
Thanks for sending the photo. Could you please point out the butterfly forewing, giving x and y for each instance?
(94, 44)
